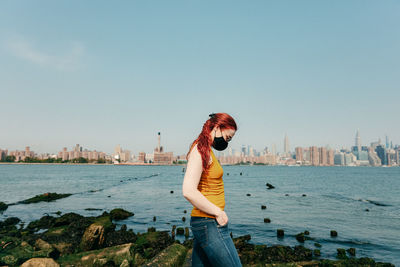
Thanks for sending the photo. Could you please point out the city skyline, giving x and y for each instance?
(285, 146)
(313, 70)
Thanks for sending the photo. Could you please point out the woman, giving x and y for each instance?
(204, 188)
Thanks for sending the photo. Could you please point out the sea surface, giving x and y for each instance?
(337, 198)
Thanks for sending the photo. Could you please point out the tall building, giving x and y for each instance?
(358, 140)
(142, 157)
(314, 156)
(121, 155)
(331, 157)
(299, 154)
(3, 154)
(323, 157)
(161, 157)
(286, 144)
(381, 152)
(273, 149)
(243, 151)
(387, 142)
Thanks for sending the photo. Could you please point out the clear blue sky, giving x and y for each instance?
(101, 73)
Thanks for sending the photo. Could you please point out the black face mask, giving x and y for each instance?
(219, 143)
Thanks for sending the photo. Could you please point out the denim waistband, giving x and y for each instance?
(201, 219)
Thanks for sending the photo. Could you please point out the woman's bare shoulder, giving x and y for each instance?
(195, 151)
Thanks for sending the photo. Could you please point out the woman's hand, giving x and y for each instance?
(221, 218)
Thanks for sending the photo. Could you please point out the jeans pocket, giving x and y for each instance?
(200, 234)
(222, 226)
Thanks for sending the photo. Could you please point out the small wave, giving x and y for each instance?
(377, 203)
(344, 198)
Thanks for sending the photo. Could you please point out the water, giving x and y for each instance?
(336, 199)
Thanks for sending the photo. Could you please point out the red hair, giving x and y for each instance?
(204, 141)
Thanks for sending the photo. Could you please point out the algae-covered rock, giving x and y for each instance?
(44, 197)
(40, 262)
(94, 236)
(354, 262)
(3, 206)
(110, 256)
(120, 214)
(45, 222)
(341, 253)
(16, 253)
(150, 244)
(42, 245)
(255, 254)
(174, 255)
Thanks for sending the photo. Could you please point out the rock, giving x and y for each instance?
(120, 214)
(280, 232)
(40, 262)
(306, 232)
(67, 219)
(3, 206)
(110, 256)
(317, 252)
(42, 245)
(8, 260)
(341, 253)
(270, 186)
(63, 247)
(114, 238)
(267, 220)
(46, 222)
(188, 259)
(14, 252)
(186, 232)
(333, 233)
(180, 231)
(259, 255)
(125, 263)
(123, 228)
(351, 251)
(300, 237)
(318, 245)
(174, 255)
(47, 197)
(263, 207)
(150, 244)
(10, 221)
(94, 235)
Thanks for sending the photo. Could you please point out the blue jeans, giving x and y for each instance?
(212, 244)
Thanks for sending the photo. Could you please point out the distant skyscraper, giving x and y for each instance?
(243, 150)
(273, 149)
(118, 149)
(387, 142)
(358, 140)
(286, 144)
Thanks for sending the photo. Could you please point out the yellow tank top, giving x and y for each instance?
(211, 186)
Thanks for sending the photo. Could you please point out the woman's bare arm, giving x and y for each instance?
(192, 194)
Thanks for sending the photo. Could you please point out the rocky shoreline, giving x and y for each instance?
(71, 239)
